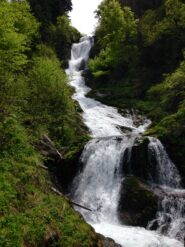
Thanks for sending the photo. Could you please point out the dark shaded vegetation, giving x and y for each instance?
(140, 64)
(47, 11)
(140, 6)
(55, 28)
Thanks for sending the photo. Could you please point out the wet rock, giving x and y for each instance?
(85, 73)
(140, 162)
(52, 239)
(138, 204)
(106, 242)
(82, 65)
(136, 160)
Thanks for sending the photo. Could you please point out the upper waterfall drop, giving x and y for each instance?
(80, 54)
(101, 120)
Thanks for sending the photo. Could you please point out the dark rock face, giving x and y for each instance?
(136, 161)
(140, 6)
(138, 204)
(66, 171)
(140, 162)
(82, 65)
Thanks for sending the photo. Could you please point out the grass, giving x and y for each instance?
(30, 213)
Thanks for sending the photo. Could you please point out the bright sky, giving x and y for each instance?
(83, 16)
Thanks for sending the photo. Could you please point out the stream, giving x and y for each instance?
(98, 184)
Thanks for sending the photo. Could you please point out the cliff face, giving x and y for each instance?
(140, 6)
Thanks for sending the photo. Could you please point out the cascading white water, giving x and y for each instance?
(97, 186)
(166, 172)
(170, 219)
(101, 120)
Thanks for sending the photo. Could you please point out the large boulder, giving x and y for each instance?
(136, 161)
(138, 204)
(140, 161)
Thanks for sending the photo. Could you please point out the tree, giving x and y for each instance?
(18, 28)
(115, 36)
(162, 33)
(47, 11)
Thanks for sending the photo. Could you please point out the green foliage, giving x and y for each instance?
(166, 21)
(30, 213)
(35, 100)
(17, 28)
(49, 94)
(160, 49)
(49, 107)
(115, 36)
(174, 94)
(171, 94)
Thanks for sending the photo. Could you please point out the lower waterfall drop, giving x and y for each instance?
(166, 172)
(170, 219)
(98, 184)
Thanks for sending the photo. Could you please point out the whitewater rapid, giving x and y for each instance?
(98, 185)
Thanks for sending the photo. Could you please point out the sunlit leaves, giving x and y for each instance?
(116, 35)
(168, 20)
(17, 28)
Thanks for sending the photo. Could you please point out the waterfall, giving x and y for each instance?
(170, 219)
(101, 120)
(166, 172)
(98, 183)
(98, 186)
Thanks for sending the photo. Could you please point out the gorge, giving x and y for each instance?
(99, 182)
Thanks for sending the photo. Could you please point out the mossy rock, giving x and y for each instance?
(138, 204)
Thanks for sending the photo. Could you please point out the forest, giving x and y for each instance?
(35, 42)
(137, 62)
